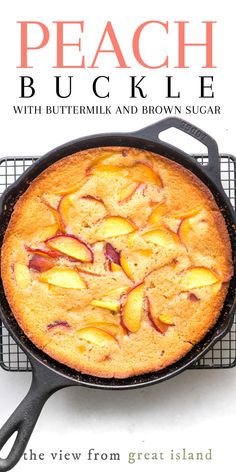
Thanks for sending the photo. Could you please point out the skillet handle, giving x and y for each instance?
(26, 414)
(152, 132)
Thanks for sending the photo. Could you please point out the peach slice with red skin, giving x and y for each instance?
(58, 324)
(132, 308)
(112, 226)
(113, 257)
(41, 263)
(71, 246)
(43, 251)
(63, 277)
(197, 277)
(111, 253)
(96, 336)
(22, 275)
(161, 237)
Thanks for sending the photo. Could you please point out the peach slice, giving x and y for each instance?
(100, 160)
(109, 170)
(144, 252)
(97, 203)
(71, 246)
(117, 292)
(157, 214)
(114, 267)
(166, 318)
(141, 172)
(113, 258)
(66, 210)
(53, 203)
(110, 299)
(112, 226)
(111, 253)
(155, 321)
(58, 324)
(125, 266)
(128, 191)
(196, 277)
(43, 251)
(184, 229)
(46, 232)
(41, 263)
(63, 277)
(110, 328)
(215, 288)
(132, 308)
(88, 272)
(196, 223)
(70, 204)
(131, 237)
(51, 200)
(193, 297)
(162, 237)
(96, 200)
(22, 275)
(73, 188)
(112, 305)
(186, 214)
(95, 336)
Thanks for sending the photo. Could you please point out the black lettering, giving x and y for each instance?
(204, 86)
(169, 88)
(58, 77)
(137, 87)
(95, 86)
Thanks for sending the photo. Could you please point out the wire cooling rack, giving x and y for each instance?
(222, 355)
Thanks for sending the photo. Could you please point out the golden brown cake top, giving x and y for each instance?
(116, 261)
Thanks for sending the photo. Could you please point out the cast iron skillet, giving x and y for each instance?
(50, 376)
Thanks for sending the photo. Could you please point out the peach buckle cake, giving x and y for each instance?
(116, 261)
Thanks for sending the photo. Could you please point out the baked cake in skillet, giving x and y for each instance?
(116, 261)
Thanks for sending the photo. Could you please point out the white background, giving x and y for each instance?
(196, 410)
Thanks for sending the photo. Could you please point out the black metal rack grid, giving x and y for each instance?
(222, 355)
